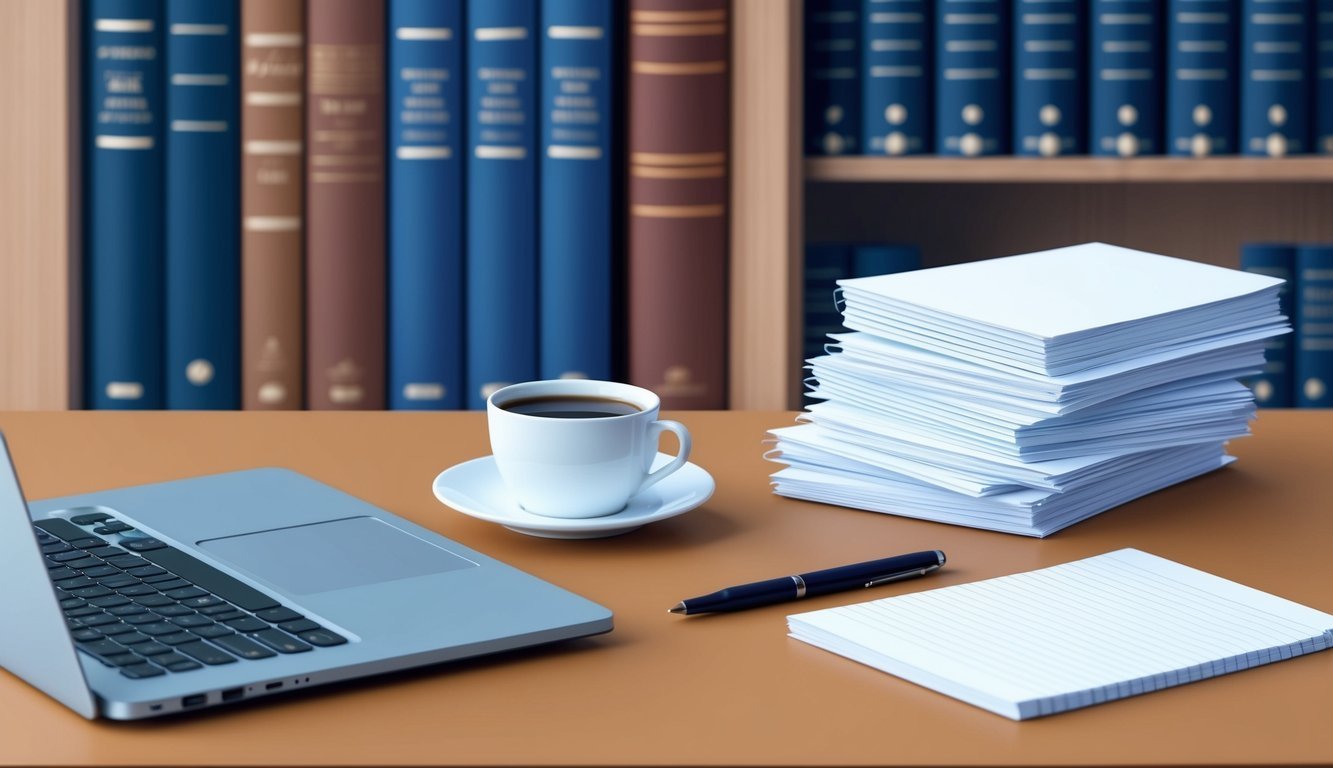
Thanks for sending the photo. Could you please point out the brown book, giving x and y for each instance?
(679, 54)
(272, 231)
(345, 237)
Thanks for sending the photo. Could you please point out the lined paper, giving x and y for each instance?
(1070, 636)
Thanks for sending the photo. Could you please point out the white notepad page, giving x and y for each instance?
(1070, 636)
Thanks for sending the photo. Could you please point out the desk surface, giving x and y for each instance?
(666, 689)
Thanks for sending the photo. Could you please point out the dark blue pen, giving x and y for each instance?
(786, 588)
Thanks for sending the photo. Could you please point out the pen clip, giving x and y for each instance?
(900, 576)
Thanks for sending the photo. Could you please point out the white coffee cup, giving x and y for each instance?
(579, 467)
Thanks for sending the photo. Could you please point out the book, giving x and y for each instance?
(1050, 78)
(577, 213)
(832, 31)
(884, 259)
(1314, 326)
(1323, 70)
(1125, 89)
(895, 77)
(123, 197)
(972, 78)
(501, 260)
(677, 252)
(1085, 632)
(345, 236)
(1201, 65)
(425, 211)
(1275, 77)
(273, 204)
(1275, 386)
(203, 197)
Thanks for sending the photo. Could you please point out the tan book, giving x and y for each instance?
(679, 54)
(345, 239)
(272, 204)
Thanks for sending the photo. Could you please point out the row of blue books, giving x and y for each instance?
(1062, 77)
(1298, 370)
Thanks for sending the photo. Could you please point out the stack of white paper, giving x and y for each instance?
(1027, 393)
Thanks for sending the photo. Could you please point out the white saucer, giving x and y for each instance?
(475, 488)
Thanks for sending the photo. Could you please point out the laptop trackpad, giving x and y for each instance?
(324, 557)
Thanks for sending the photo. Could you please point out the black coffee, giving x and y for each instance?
(571, 407)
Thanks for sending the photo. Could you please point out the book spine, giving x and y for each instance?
(895, 67)
(1201, 85)
(1314, 326)
(123, 239)
(825, 265)
(1126, 85)
(972, 78)
(272, 204)
(425, 204)
(345, 238)
(1275, 77)
(1323, 95)
(832, 76)
(884, 259)
(501, 195)
(1274, 387)
(1050, 78)
(203, 250)
(679, 122)
(576, 200)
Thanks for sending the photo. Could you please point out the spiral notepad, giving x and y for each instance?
(1070, 636)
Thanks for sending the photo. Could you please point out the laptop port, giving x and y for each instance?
(273, 686)
(195, 700)
(232, 694)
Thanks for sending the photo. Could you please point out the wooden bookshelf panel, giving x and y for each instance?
(964, 221)
(1064, 170)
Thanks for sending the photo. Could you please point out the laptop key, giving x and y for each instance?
(216, 610)
(201, 651)
(137, 590)
(322, 637)
(98, 571)
(173, 610)
(140, 671)
(142, 545)
(161, 577)
(87, 610)
(62, 529)
(247, 624)
(89, 592)
(184, 666)
(280, 641)
(87, 542)
(142, 570)
(281, 613)
(124, 659)
(158, 628)
(176, 638)
(72, 602)
(55, 548)
(142, 618)
(229, 615)
(132, 638)
(78, 582)
(127, 610)
(151, 648)
(67, 555)
(87, 562)
(172, 583)
(211, 631)
(170, 658)
(105, 552)
(184, 592)
(115, 526)
(244, 648)
(117, 581)
(88, 518)
(298, 626)
(86, 634)
(127, 561)
(115, 630)
(203, 601)
(102, 648)
(193, 621)
(62, 573)
(110, 601)
(152, 600)
(206, 576)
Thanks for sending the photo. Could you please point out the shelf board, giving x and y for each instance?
(1039, 170)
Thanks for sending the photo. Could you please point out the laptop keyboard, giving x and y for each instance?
(150, 609)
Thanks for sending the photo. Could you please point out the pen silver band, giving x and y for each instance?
(800, 586)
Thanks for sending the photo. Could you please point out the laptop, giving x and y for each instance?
(147, 601)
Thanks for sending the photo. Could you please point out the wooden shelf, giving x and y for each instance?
(1037, 170)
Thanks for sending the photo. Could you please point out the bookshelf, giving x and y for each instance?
(955, 209)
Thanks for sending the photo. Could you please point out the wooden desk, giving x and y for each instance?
(665, 689)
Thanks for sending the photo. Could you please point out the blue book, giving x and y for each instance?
(425, 211)
(884, 259)
(1050, 78)
(1275, 77)
(1125, 112)
(203, 187)
(1323, 96)
(123, 195)
(895, 72)
(1201, 65)
(501, 196)
(578, 109)
(1274, 387)
(972, 77)
(832, 76)
(1314, 326)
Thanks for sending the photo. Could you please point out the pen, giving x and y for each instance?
(785, 588)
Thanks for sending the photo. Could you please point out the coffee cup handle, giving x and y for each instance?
(655, 431)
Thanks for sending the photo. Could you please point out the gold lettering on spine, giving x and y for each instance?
(342, 77)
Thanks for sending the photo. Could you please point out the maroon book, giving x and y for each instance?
(679, 72)
(272, 231)
(345, 238)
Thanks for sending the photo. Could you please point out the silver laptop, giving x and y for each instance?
(145, 601)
